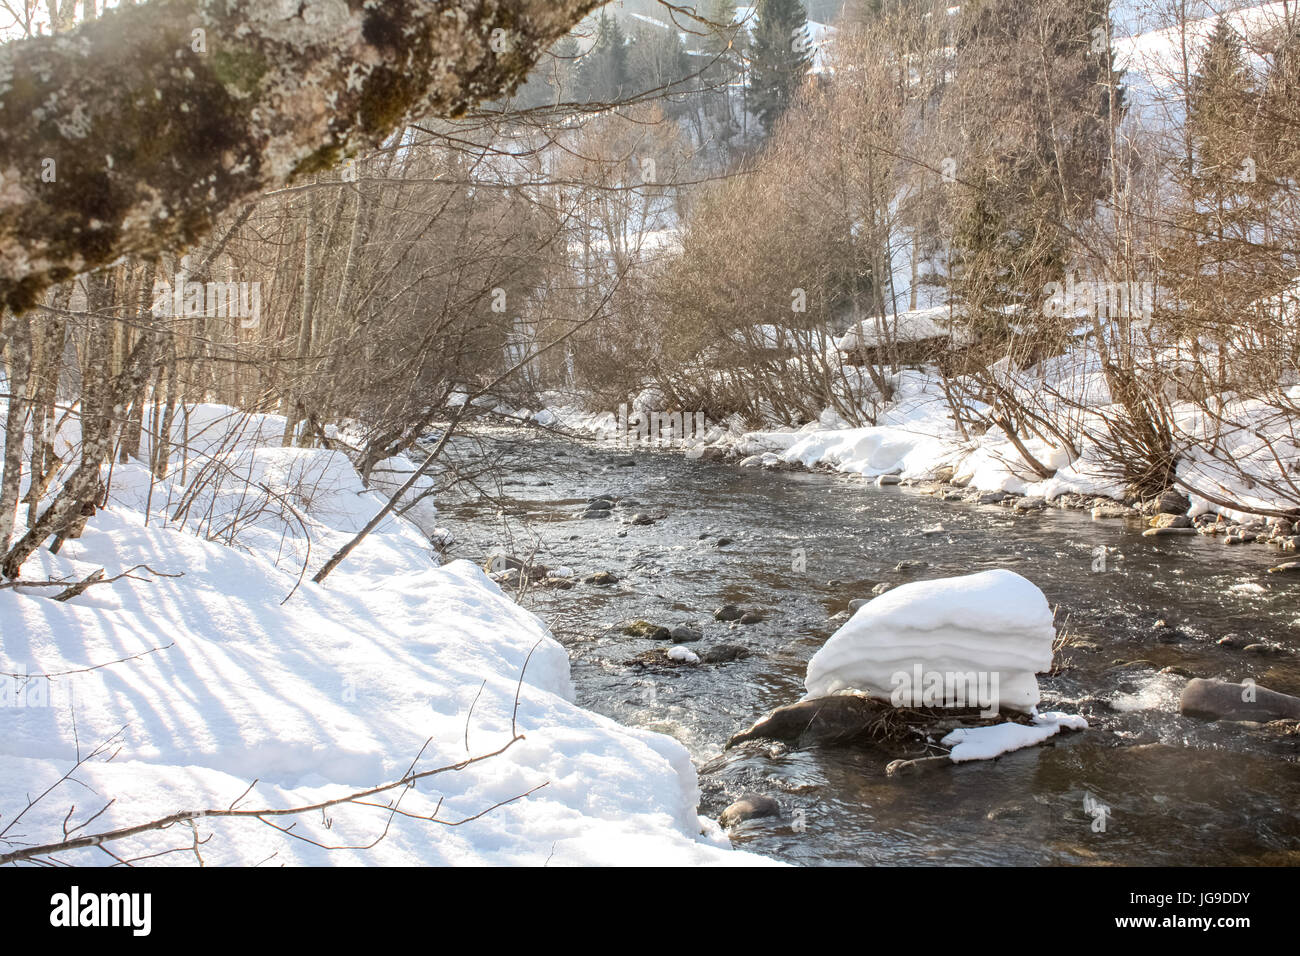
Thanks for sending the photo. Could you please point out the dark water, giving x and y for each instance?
(1180, 791)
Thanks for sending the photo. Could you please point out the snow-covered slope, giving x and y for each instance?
(333, 690)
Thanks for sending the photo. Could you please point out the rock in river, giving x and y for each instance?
(728, 612)
(749, 807)
(1220, 700)
(839, 718)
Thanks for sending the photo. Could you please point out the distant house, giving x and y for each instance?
(906, 337)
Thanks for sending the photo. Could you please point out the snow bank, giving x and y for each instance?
(221, 681)
(994, 623)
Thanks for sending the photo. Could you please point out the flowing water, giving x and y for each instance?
(1139, 617)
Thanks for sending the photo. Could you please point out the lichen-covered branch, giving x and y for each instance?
(131, 133)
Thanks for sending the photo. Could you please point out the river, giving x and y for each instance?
(1139, 618)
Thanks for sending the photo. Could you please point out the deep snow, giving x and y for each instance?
(333, 690)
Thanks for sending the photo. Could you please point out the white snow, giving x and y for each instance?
(985, 743)
(993, 623)
(683, 655)
(312, 691)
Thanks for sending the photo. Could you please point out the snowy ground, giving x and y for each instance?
(333, 690)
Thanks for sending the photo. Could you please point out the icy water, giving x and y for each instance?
(1179, 790)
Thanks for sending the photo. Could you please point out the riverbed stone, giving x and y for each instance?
(857, 603)
(602, 578)
(643, 628)
(723, 653)
(751, 617)
(728, 612)
(642, 519)
(881, 588)
(752, 806)
(1220, 700)
(916, 767)
(685, 634)
(1168, 532)
(1172, 501)
(884, 480)
(1175, 522)
(1286, 567)
(822, 720)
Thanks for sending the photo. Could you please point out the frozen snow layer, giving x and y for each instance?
(994, 627)
(985, 743)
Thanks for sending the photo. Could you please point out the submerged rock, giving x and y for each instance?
(602, 578)
(1220, 700)
(752, 806)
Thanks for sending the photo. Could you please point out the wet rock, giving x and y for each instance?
(600, 504)
(602, 578)
(1286, 567)
(1239, 537)
(1112, 509)
(921, 765)
(1173, 502)
(1220, 700)
(857, 603)
(881, 588)
(642, 519)
(684, 634)
(724, 653)
(1167, 532)
(722, 542)
(1264, 649)
(1029, 504)
(1235, 641)
(751, 617)
(728, 612)
(993, 497)
(627, 463)
(641, 628)
(910, 565)
(1175, 522)
(823, 720)
(883, 480)
(599, 513)
(752, 806)
(560, 584)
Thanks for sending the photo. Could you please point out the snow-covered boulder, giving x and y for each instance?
(980, 633)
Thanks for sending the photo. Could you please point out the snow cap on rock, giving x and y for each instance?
(993, 622)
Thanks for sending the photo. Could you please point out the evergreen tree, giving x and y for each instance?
(1030, 118)
(780, 55)
(603, 73)
(724, 54)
